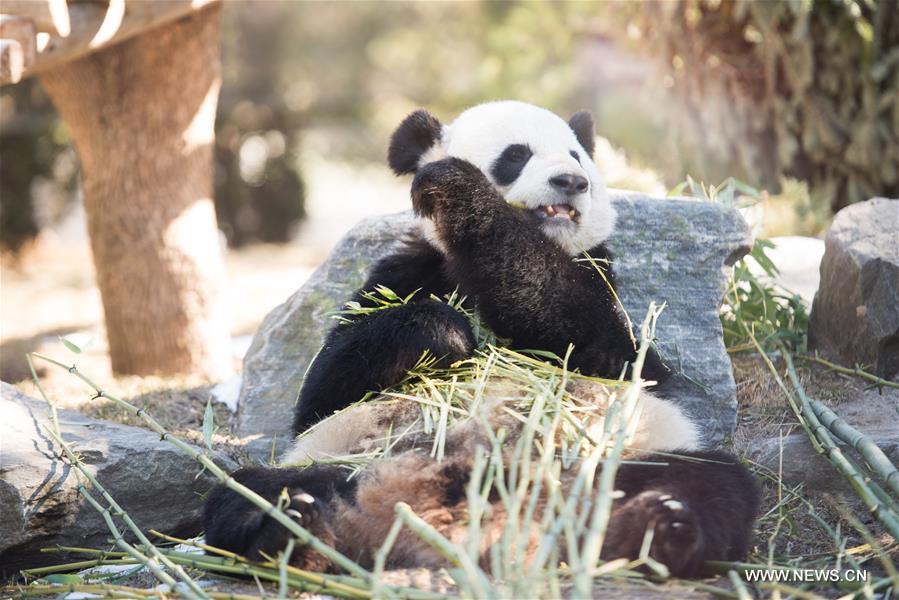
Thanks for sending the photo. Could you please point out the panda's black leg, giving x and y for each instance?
(701, 507)
(235, 524)
(376, 351)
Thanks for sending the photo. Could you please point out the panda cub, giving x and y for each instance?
(508, 197)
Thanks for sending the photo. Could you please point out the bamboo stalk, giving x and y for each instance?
(152, 561)
(272, 511)
(105, 590)
(620, 424)
(857, 371)
(481, 587)
(75, 566)
(881, 511)
(333, 584)
(875, 457)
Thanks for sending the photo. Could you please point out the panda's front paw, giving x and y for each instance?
(443, 182)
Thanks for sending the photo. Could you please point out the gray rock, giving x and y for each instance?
(874, 414)
(674, 251)
(855, 315)
(154, 482)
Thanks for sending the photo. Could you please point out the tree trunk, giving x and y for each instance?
(141, 115)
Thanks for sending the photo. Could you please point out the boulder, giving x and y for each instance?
(855, 315)
(159, 486)
(667, 250)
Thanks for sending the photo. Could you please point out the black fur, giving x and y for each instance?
(700, 505)
(416, 134)
(526, 288)
(376, 351)
(511, 162)
(715, 503)
(582, 125)
(232, 522)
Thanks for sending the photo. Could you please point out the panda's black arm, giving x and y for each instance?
(376, 350)
(415, 265)
(525, 286)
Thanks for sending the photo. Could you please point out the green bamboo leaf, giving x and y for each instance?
(66, 578)
(387, 292)
(677, 190)
(70, 346)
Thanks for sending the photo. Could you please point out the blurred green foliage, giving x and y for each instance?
(807, 89)
(356, 69)
(801, 92)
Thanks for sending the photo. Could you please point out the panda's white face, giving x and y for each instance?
(536, 162)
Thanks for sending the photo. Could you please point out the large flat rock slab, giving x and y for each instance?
(667, 250)
(154, 482)
(855, 315)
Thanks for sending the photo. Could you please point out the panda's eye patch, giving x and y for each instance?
(508, 166)
(575, 156)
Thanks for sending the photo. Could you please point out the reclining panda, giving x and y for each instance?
(507, 197)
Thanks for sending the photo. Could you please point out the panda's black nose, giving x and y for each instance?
(570, 184)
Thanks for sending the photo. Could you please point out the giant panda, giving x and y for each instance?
(507, 198)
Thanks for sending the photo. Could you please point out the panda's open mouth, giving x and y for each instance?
(561, 212)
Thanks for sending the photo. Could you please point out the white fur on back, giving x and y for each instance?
(337, 435)
(660, 425)
(663, 426)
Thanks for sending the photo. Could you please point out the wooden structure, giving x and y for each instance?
(137, 82)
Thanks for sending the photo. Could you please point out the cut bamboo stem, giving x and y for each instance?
(153, 562)
(857, 371)
(874, 456)
(833, 452)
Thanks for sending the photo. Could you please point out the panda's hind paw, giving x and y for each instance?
(272, 538)
(676, 532)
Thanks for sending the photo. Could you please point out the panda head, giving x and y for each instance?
(534, 158)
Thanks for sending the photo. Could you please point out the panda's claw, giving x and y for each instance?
(302, 497)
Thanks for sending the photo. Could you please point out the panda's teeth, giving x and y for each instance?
(550, 210)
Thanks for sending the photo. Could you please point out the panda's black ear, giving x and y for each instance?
(582, 125)
(416, 135)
